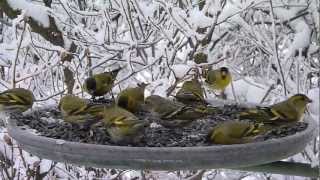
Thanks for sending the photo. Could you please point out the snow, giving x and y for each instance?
(301, 39)
(247, 89)
(147, 8)
(229, 11)
(198, 19)
(314, 107)
(181, 70)
(37, 12)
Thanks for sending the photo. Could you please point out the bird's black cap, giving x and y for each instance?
(224, 69)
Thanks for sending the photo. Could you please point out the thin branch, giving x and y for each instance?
(134, 72)
(14, 65)
(275, 48)
(49, 97)
(284, 22)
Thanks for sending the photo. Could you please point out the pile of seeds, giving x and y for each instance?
(48, 122)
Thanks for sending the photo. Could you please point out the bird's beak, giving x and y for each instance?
(309, 100)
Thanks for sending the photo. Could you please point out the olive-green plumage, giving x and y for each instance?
(290, 110)
(173, 114)
(218, 79)
(78, 111)
(123, 126)
(200, 58)
(235, 132)
(16, 100)
(190, 92)
(132, 99)
(100, 84)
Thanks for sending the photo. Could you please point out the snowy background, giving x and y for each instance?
(271, 47)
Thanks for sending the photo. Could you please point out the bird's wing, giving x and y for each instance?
(178, 111)
(12, 99)
(211, 77)
(118, 120)
(284, 110)
(260, 114)
(81, 110)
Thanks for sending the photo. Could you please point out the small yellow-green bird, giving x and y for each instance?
(190, 92)
(100, 84)
(235, 132)
(173, 114)
(200, 58)
(78, 111)
(16, 100)
(132, 99)
(290, 110)
(123, 126)
(218, 79)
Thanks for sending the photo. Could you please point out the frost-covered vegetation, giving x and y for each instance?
(272, 48)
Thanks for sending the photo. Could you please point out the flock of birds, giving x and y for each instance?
(123, 126)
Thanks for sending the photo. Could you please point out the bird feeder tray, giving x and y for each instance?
(163, 158)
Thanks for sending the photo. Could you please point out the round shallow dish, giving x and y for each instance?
(163, 158)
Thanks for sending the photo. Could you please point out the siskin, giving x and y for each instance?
(123, 126)
(191, 91)
(16, 100)
(290, 110)
(235, 132)
(78, 111)
(173, 114)
(218, 79)
(100, 84)
(132, 99)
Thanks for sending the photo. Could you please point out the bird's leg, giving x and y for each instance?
(223, 95)
(112, 96)
(211, 91)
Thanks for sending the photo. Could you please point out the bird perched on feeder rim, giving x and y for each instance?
(173, 114)
(123, 126)
(16, 100)
(236, 132)
(287, 111)
(218, 79)
(132, 99)
(191, 92)
(100, 84)
(78, 111)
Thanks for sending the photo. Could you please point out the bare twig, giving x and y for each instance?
(49, 97)
(14, 65)
(275, 48)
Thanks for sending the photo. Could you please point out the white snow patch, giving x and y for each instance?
(228, 11)
(302, 37)
(180, 70)
(247, 90)
(198, 19)
(314, 107)
(37, 12)
(147, 8)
